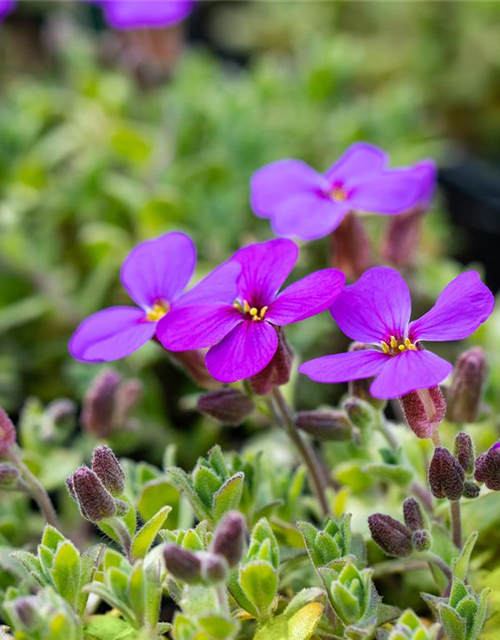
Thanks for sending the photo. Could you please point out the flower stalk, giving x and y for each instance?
(456, 523)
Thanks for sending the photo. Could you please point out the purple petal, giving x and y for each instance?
(219, 286)
(243, 353)
(159, 269)
(409, 371)
(265, 267)
(308, 216)
(425, 171)
(6, 7)
(111, 334)
(342, 367)
(145, 14)
(375, 308)
(275, 183)
(460, 309)
(386, 193)
(359, 159)
(307, 297)
(197, 327)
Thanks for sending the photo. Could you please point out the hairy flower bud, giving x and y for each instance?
(424, 411)
(359, 412)
(361, 388)
(213, 568)
(61, 411)
(466, 389)
(421, 540)
(471, 490)
(413, 516)
(351, 249)
(229, 538)
(7, 432)
(182, 563)
(464, 452)
(94, 501)
(402, 237)
(9, 476)
(229, 406)
(488, 468)
(324, 425)
(446, 476)
(390, 535)
(26, 611)
(109, 471)
(277, 372)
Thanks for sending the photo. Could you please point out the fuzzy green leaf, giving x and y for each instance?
(259, 582)
(183, 482)
(144, 538)
(66, 572)
(460, 566)
(453, 625)
(228, 496)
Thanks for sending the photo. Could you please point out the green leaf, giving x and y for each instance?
(137, 592)
(460, 566)
(480, 616)
(453, 625)
(89, 561)
(52, 537)
(346, 605)
(183, 482)
(105, 594)
(218, 627)
(46, 558)
(395, 473)
(218, 462)
(302, 598)
(228, 496)
(144, 538)
(32, 565)
(304, 622)
(109, 627)
(206, 483)
(66, 572)
(259, 582)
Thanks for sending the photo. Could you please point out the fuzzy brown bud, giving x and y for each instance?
(109, 471)
(466, 389)
(182, 563)
(213, 568)
(350, 248)
(390, 535)
(464, 452)
(324, 425)
(94, 501)
(277, 372)
(471, 490)
(7, 432)
(229, 406)
(229, 538)
(413, 516)
(424, 411)
(488, 468)
(421, 540)
(446, 476)
(361, 388)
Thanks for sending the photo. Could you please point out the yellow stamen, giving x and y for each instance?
(157, 311)
(385, 347)
(409, 345)
(246, 306)
(238, 306)
(394, 342)
(254, 311)
(263, 312)
(401, 347)
(338, 194)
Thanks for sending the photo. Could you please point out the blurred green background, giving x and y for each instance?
(108, 139)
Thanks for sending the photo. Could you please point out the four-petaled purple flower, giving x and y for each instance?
(145, 14)
(155, 275)
(376, 310)
(304, 203)
(242, 329)
(6, 7)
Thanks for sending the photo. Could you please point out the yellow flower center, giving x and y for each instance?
(157, 311)
(253, 312)
(396, 346)
(338, 194)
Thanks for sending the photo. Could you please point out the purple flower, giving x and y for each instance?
(376, 310)
(154, 274)
(304, 203)
(241, 329)
(145, 14)
(6, 7)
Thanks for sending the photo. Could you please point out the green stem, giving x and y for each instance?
(456, 523)
(304, 448)
(125, 538)
(36, 490)
(387, 432)
(435, 559)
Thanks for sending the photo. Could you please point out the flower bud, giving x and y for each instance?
(324, 425)
(61, 411)
(390, 535)
(94, 501)
(361, 388)
(193, 364)
(122, 508)
(26, 611)
(471, 490)
(359, 412)
(229, 406)
(213, 568)
(229, 538)
(350, 248)
(424, 411)
(466, 389)
(446, 476)
(182, 563)
(9, 476)
(464, 452)
(402, 237)
(488, 468)
(109, 471)
(7, 432)
(421, 540)
(277, 372)
(127, 396)
(413, 516)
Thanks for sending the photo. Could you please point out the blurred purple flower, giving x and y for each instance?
(6, 7)
(145, 14)
(376, 310)
(241, 329)
(154, 274)
(304, 203)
